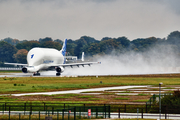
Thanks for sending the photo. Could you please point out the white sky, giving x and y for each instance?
(60, 19)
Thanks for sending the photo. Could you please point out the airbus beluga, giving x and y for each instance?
(43, 59)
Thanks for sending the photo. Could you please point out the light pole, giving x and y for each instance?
(160, 99)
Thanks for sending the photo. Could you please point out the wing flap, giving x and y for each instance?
(75, 64)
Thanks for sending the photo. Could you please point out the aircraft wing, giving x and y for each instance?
(80, 64)
(16, 64)
(77, 64)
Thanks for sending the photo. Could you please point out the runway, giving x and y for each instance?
(43, 74)
(15, 74)
(53, 74)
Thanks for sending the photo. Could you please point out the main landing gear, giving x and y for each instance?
(36, 74)
(58, 74)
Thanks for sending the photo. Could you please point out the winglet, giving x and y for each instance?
(64, 47)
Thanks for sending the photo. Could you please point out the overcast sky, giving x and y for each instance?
(60, 19)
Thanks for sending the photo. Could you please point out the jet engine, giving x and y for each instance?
(60, 69)
(24, 70)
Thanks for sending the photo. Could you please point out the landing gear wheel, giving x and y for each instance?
(58, 74)
(36, 74)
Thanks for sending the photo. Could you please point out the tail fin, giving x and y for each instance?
(63, 50)
(82, 59)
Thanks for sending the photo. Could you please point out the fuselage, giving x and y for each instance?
(41, 58)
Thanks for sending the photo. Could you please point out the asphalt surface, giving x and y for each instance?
(113, 115)
(43, 74)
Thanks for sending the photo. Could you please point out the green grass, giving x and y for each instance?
(62, 97)
(124, 95)
(40, 84)
(65, 96)
(94, 99)
(10, 71)
(143, 100)
(142, 94)
(155, 89)
(126, 92)
(169, 88)
(169, 91)
(71, 95)
(86, 96)
(6, 99)
(108, 93)
(121, 98)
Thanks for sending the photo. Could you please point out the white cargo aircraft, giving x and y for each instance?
(43, 59)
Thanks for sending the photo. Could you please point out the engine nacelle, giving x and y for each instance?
(24, 70)
(60, 69)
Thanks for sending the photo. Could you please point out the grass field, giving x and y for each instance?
(10, 71)
(39, 84)
(10, 85)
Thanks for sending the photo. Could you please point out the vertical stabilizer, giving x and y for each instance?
(82, 56)
(63, 50)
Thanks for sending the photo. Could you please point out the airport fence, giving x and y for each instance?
(64, 111)
(55, 111)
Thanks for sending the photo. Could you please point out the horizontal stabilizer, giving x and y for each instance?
(16, 64)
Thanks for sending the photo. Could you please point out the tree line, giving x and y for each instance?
(13, 50)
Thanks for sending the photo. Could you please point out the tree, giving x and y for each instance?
(70, 48)
(45, 39)
(6, 52)
(124, 41)
(106, 38)
(82, 42)
(174, 37)
(11, 41)
(143, 44)
(59, 41)
(171, 102)
(28, 45)
(107, 46)
(89, 40)
(21, 56)
(91, 49)
(51, 44)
